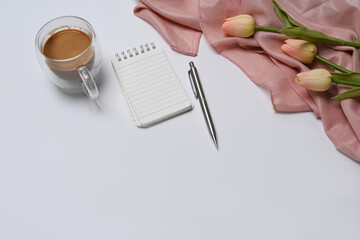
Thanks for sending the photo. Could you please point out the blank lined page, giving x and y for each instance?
(150, 86)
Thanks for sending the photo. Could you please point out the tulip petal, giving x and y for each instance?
(302, 56)
(316, 80)
(300, 50)
(302, 44)
(239, 26)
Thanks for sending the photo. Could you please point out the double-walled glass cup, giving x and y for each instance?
(77, 73)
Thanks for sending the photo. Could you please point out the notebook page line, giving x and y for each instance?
(170, 107)
(153, 98)
(150, 86)
(146, 79)
(146, 106)
(169, 90)
(134, 69)
(141, 74)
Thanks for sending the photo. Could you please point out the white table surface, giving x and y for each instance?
(68, 171)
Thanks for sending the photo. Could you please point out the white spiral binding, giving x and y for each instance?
(134, 52)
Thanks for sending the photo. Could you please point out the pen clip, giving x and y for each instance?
(190, 73)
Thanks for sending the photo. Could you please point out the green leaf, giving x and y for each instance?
(311, 35)
(352, 78)
(284, 16)
(357, 49)
(352, 93)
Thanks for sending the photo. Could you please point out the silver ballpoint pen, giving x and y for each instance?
(199, 94)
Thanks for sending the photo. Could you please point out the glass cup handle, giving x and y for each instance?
(90, 86)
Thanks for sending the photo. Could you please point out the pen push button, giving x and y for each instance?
(191, 79)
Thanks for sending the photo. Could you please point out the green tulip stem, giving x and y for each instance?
(321, 59)
(344, 82)
(277, 30)
(267, 29)
(335, 66)
(331, 64)
(352, 44)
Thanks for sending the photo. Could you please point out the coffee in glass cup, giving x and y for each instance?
(69, 54)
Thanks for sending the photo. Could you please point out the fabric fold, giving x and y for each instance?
(181, 23)
(173, 25)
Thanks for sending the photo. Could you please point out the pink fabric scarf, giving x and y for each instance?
(181, 23)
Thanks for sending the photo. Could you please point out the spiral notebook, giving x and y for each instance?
(152, 91)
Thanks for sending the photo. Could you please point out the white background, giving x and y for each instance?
(70, 172)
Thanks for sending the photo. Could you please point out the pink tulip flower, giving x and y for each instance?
(300, 50)
(239, 26)
(318, 80)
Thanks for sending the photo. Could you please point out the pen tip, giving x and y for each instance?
(215, 142)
